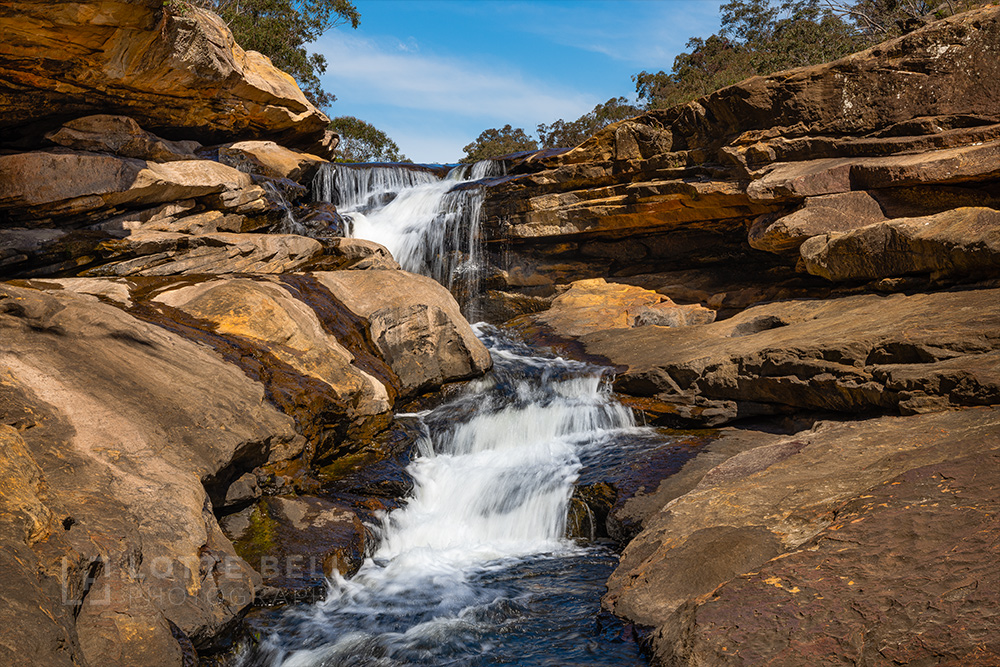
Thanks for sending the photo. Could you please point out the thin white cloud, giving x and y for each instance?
(377, 72)
(648, 33)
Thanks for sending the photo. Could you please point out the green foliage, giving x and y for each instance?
(363, 142)
(561, 133)
(495, 143)
(280, 29)
(757, 37)
(765, 36)
(883, 19)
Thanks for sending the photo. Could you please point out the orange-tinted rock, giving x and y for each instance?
(814, 355)
(414, 322)
(596, 305)
(75, 185)
(269, 159)
(179, 74)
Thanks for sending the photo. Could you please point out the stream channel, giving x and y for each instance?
(475, 568)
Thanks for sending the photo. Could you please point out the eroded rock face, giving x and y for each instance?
(854, 354)
(176, 73)
(269, 159)
(963, 241)
(811, 546)
(68, 366)
(413, 322)
(596, 305)
(121, 136)
(236, 374)
(747, 174)
(293, 333)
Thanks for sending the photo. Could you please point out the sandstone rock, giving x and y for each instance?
(415, 324)
(967, 164)
(698, 175)
(762, 560)
(292, 332)
(128, 564)
(350, 253)
(269, 159)
(176, 73)
(174, 254)
(74, 185)
(122, 136)
(964, 242)
(596, 305)
(819, 215)
(812, 356)
(207, 222)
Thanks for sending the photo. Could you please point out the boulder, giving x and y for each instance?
(596, 305)
(350, 253)
(267, 158)
(415, 323)
(855, 541)
(963, 242)
(798, 356)
(122, 136)
(289, 329)
(297, 543)
(174, 68)
(132, 571)
(819, 215)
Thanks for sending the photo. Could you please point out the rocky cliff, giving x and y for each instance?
(810, 263)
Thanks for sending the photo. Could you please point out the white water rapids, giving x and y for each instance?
(475, 568)
(429, 224)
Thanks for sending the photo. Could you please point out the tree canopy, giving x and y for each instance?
(765, 36)
(363, 142)
(561, 133)
(494, 143)
(281, 29)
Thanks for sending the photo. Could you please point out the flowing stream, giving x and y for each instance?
(475, 568)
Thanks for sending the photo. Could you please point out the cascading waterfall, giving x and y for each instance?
(456, 578)
(475, 568)
(429, 224)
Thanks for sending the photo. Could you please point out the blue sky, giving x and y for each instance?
(433, 74)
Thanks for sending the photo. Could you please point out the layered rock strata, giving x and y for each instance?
(842, 223)
(869, 146)
(172, 67)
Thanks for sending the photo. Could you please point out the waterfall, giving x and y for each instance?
(492, 486)
(429, 224)
(476, 567)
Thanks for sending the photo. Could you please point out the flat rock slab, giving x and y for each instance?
(833, 355)
(906, 575)
(838, 541)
